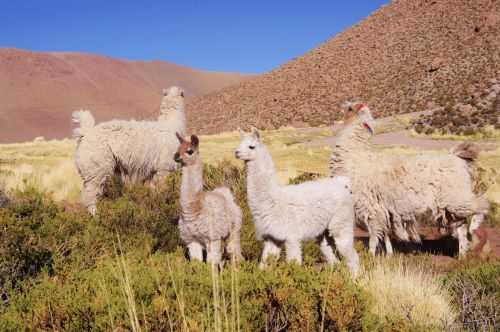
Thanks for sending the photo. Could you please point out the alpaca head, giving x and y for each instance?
(187, 152)
(249, 145)
(172, 103)
(358, 114)
(173, 91)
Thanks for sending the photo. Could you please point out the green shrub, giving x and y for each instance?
(25, 224)
(170, 293)
(477, 293)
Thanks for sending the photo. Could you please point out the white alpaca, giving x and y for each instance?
(394, 193)
(138, 151)
(288, 215)
(208, 218)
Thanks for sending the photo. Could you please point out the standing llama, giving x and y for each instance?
(321, 209)
(208, 218)
(394, 193)
(137, 151)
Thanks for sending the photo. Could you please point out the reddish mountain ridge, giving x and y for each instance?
(405, 55)
(39, 90)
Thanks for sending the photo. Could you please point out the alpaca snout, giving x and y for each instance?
(237, 154)
(177, 157)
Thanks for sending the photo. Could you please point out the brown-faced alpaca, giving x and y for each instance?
(208, 218)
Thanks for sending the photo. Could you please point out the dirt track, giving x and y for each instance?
(403, 138)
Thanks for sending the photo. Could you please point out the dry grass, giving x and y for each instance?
(490, 162)
(409, 292)
(49, 165)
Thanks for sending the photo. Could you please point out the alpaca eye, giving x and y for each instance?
(190, 152)
(252, 147)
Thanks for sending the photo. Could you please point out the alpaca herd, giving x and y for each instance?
(389, 196)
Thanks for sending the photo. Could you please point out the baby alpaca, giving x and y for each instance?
(288, 215)
(208, 218)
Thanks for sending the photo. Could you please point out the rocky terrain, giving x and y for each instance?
(404, 56)
(39, 90)
(479, 112)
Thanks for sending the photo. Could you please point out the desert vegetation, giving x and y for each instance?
(63, 270)
(476, 114)
(126, 269)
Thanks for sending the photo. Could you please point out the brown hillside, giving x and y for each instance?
(403, 56)
(38, 90)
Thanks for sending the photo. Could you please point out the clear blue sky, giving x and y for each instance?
(235, 35)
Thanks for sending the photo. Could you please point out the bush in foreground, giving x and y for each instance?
(476, 292)
(125, 270)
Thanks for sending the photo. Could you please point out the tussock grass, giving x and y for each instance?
(47, 166)
(409, 292)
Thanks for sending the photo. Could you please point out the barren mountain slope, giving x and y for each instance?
(38, 91)
(403, 56)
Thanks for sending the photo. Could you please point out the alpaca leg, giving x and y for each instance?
(388, 245)
(293, 251)
(476, 221)
(270, 249)
(195, 251)
(233, 246)
(214, 252)
(372, 244)
(327, 251)
(463, 241)
(90, 192)
(345, 246)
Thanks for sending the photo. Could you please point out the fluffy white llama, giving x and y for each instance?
(321, 209)
(138, 151)
(393, 194)
(208, 218)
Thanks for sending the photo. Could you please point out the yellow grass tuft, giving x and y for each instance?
(408, 292)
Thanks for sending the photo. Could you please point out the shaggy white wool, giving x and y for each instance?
(288, 215)
(208, 218)
(394, 195)
(136, 150)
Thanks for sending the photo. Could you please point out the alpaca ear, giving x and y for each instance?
(255, 133)
(179, 137)
(358, 106)
(194, 141)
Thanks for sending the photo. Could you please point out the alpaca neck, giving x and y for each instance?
(172, 114)
(352, 143)
(262, 181)
(191, 188)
